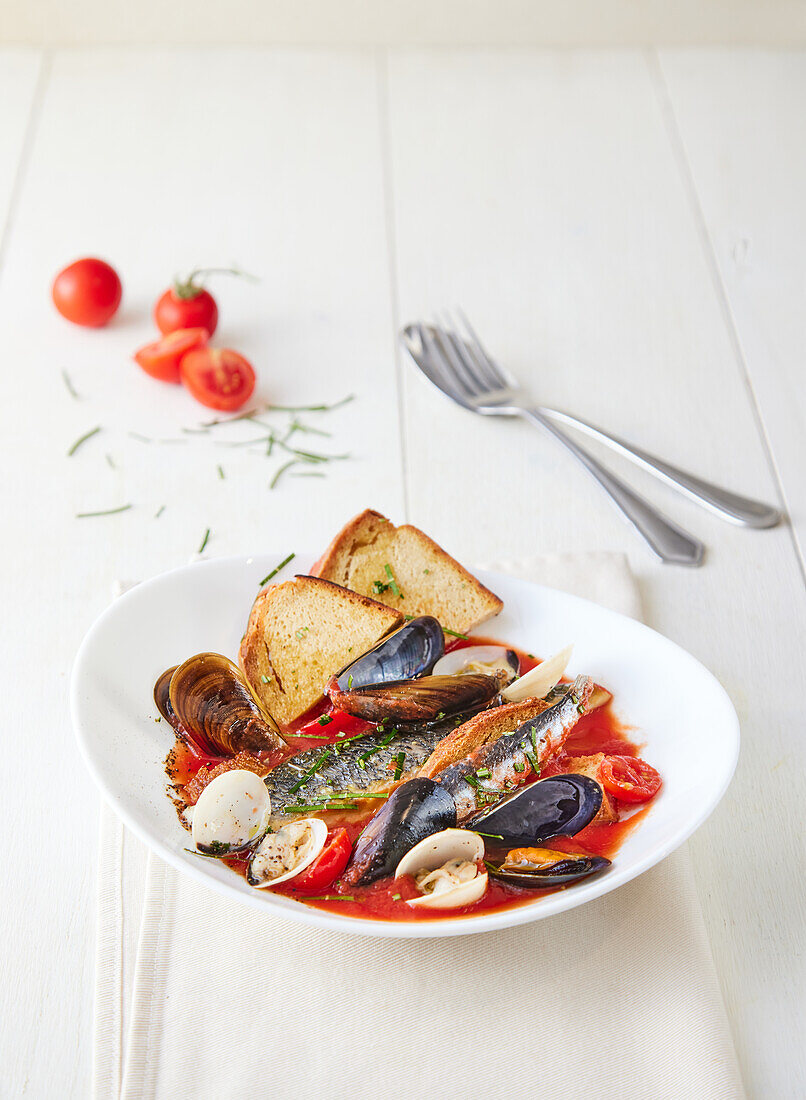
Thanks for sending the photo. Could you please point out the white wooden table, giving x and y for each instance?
(626, 229)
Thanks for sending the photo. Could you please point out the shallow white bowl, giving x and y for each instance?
(675, 706)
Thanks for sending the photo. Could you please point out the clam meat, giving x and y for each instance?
(287, 853)
(445, 870)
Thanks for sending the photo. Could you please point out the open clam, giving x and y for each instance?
(232, 812)
(490, 660)
(445, 869)
(542, 868)
(212, 705)
(538, 682)
(287, 853)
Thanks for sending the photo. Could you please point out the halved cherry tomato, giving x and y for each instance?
(185, 305)
(327, 866)
(161, 359)
(629, 779)
(87, 292)
(218, 377)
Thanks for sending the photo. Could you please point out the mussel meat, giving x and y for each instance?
(559, 806)
(542, 868)
(232, 812)
(416, 810)
(214, 707)
(411, 650)
(424, 700)
(486, 659)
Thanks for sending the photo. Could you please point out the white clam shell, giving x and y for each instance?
(487, 656)
(537, 683)
(311, 848)
(434, 852)
(231, 812)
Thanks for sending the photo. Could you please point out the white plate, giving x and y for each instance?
(675, 706)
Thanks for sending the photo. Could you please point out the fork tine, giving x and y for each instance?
(443, 375)
(454, 364)
(474, 368)
(495, 373)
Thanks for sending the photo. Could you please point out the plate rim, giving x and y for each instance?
(562, 901)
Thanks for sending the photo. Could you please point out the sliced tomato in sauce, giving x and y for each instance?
(629, 778)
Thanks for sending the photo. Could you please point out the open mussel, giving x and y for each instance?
(215, 709)
(162, 697)
(542, 868)
(424, 700)
(410, 651)
(416, 810)
(561, 805)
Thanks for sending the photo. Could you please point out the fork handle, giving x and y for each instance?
(728, 505)
(670, 542)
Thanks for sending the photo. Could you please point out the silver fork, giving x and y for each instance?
(461, 368)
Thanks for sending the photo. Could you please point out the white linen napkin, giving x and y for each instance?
(618, 998)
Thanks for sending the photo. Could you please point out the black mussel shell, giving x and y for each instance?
(423, 700)
(214, 707)
(553, 869)
(410, 651)
(559, 806)
(417, 809)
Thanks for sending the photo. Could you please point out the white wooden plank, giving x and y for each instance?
(541, 191)
(161, 161)
(741, 122)
(19, 72)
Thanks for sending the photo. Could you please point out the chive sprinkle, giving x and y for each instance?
(491, 836)
(311, 771)
(392, 582)
(530, 756)
(401, 756)
(159, 511)
(332, 897)
(110, 462)
(519, 767)
(454, 633)
(324, 720)
(83, 439)
(312, 408)
(70, 387)
(204, 541)
(220, 472)
(105, 512)
(396, 897)
(276, 569)
(483, 773)
(281, 471)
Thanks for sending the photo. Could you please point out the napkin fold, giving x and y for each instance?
(616, 998)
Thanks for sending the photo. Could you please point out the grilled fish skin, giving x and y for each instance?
(365, 764)
(507, 759)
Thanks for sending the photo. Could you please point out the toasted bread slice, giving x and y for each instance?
(480, 730)
(300, 633)
(405, 569)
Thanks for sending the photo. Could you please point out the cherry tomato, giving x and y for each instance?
(186, 306)
(218, 377)
(629, 779)
(161, 359)
(327, 866)
(87, 292)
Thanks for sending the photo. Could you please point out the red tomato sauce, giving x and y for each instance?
(596, 732)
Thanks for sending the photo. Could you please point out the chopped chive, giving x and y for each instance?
(70, 387)
(83, 439)
(392, 582)
(264, 679)
(311, 772)
(204, 541)
(140, 438)
(308, 736)
(519, 767)
(220, 472)
(110, 462)
(483, 773)
(331, 897)
(301, 474)
(396, 897)
(311, 408)
(454, 633)
(281, 471)
(325, 720)
(159, 511)
(491, 836)
(105, 512)
(276, 569)
(351, 795)
(399, 759)
(530, 756)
